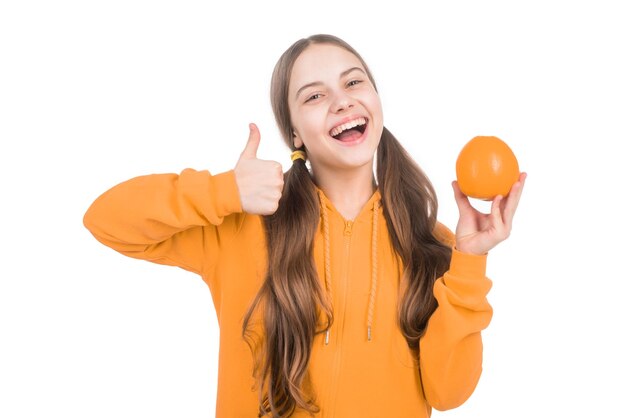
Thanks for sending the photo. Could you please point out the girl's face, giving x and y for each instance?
(335, 110)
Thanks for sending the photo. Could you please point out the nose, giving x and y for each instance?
(342, 102)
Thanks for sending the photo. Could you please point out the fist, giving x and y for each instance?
(260, 182)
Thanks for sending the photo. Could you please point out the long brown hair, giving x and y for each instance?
(293, 304)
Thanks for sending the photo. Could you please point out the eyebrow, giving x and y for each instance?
(316, 83)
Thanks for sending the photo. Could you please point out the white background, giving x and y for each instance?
(94, 92)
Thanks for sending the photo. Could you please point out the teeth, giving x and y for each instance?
(339, 129)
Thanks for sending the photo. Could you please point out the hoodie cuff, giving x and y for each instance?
(226, 193)
(466, 280)
(467, 265)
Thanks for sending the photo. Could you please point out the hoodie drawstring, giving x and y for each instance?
(372, 302)
(326, 227)
(374, 256)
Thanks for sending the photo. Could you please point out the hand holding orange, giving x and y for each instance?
(486, 167)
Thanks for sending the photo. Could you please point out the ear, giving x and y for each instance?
(297, 142)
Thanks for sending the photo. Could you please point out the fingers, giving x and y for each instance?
(252, 146)
(496, 216)
(513, 199)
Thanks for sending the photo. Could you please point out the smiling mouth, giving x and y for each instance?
(349, 131)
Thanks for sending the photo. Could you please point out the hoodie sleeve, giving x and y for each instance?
(451, 349)
(167, 218)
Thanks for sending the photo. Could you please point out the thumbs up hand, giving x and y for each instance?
(260, 182)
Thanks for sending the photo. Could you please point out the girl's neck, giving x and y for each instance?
(347, 191)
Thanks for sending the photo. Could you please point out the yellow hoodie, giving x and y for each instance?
(365, 368)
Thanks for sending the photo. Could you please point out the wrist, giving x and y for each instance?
(468, 248)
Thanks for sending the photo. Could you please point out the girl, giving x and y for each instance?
(337, 292)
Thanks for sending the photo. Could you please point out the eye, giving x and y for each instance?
(353, 83)
(313, 97)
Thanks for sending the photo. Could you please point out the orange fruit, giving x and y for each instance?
(486, 167)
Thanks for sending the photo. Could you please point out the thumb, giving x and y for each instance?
(253, 142)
